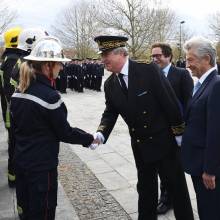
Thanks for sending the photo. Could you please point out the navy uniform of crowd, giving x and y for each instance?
(80, 74)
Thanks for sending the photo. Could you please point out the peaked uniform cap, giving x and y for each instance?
(106, 42)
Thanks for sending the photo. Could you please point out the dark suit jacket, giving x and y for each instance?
(218, 68)
(182, 84)
(150, 110)
(201, 143)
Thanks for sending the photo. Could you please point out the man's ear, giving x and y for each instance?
(207, 58)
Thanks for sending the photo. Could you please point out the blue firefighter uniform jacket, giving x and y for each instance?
(39, 118)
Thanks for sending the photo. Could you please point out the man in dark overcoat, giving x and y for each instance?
(182, 84)
(145, 100)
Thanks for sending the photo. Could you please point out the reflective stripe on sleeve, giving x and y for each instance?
(13, 83)
(2, 79)
(38, 100)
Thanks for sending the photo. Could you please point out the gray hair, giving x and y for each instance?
(123, 50)
(201, 47)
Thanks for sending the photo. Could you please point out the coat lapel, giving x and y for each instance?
(202, 87)
(132, 90)
(120, 95)
(170, 73)
(200, 91)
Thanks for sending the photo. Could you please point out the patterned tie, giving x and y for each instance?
(196, 87)
(123, 84)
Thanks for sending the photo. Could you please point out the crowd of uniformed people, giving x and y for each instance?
(79, 74)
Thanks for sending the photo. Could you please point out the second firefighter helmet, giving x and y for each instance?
(11, 37)
(29, 36)
(47, 49)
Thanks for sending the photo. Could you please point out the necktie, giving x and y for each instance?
(196, 87)
(123, 84)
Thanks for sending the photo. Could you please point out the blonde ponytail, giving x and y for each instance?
(26, 75)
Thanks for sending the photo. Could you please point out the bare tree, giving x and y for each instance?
(142, 23)
(7, 16)
(76, 27)
(214, 24)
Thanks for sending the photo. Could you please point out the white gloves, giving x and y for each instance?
(178, 140)
(93, 146)
(98, 139)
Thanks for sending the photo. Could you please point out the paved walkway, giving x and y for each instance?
(99, 184)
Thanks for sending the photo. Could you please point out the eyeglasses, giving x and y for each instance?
(156, 56)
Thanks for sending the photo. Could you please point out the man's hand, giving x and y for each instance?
(98, 139)
(93, 146)
(178, 140)
(208, 180)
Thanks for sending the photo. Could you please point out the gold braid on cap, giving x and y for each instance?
(111, 44)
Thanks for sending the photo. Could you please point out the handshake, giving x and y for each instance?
(98, 139)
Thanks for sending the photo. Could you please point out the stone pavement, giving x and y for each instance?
(99, 184)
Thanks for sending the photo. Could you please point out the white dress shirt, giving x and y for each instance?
(124, 71)
(166, 69)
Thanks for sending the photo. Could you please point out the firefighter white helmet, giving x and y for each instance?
(47, 49)
(28, 37)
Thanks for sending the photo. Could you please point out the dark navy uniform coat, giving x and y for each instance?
(40, 123)
(150, 111)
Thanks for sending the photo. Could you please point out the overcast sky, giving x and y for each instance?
(42, 13)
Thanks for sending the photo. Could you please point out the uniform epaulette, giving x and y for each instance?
(179, 129)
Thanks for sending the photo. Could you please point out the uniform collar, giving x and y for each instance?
(45, 80)
(124, 69)
(166, 69)
(205, 75)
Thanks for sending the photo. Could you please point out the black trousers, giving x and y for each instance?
(98, 83)
(147, 187)
(36, 194)
(165, 194)
(208, 201)
(11, 149)
(11, 138)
